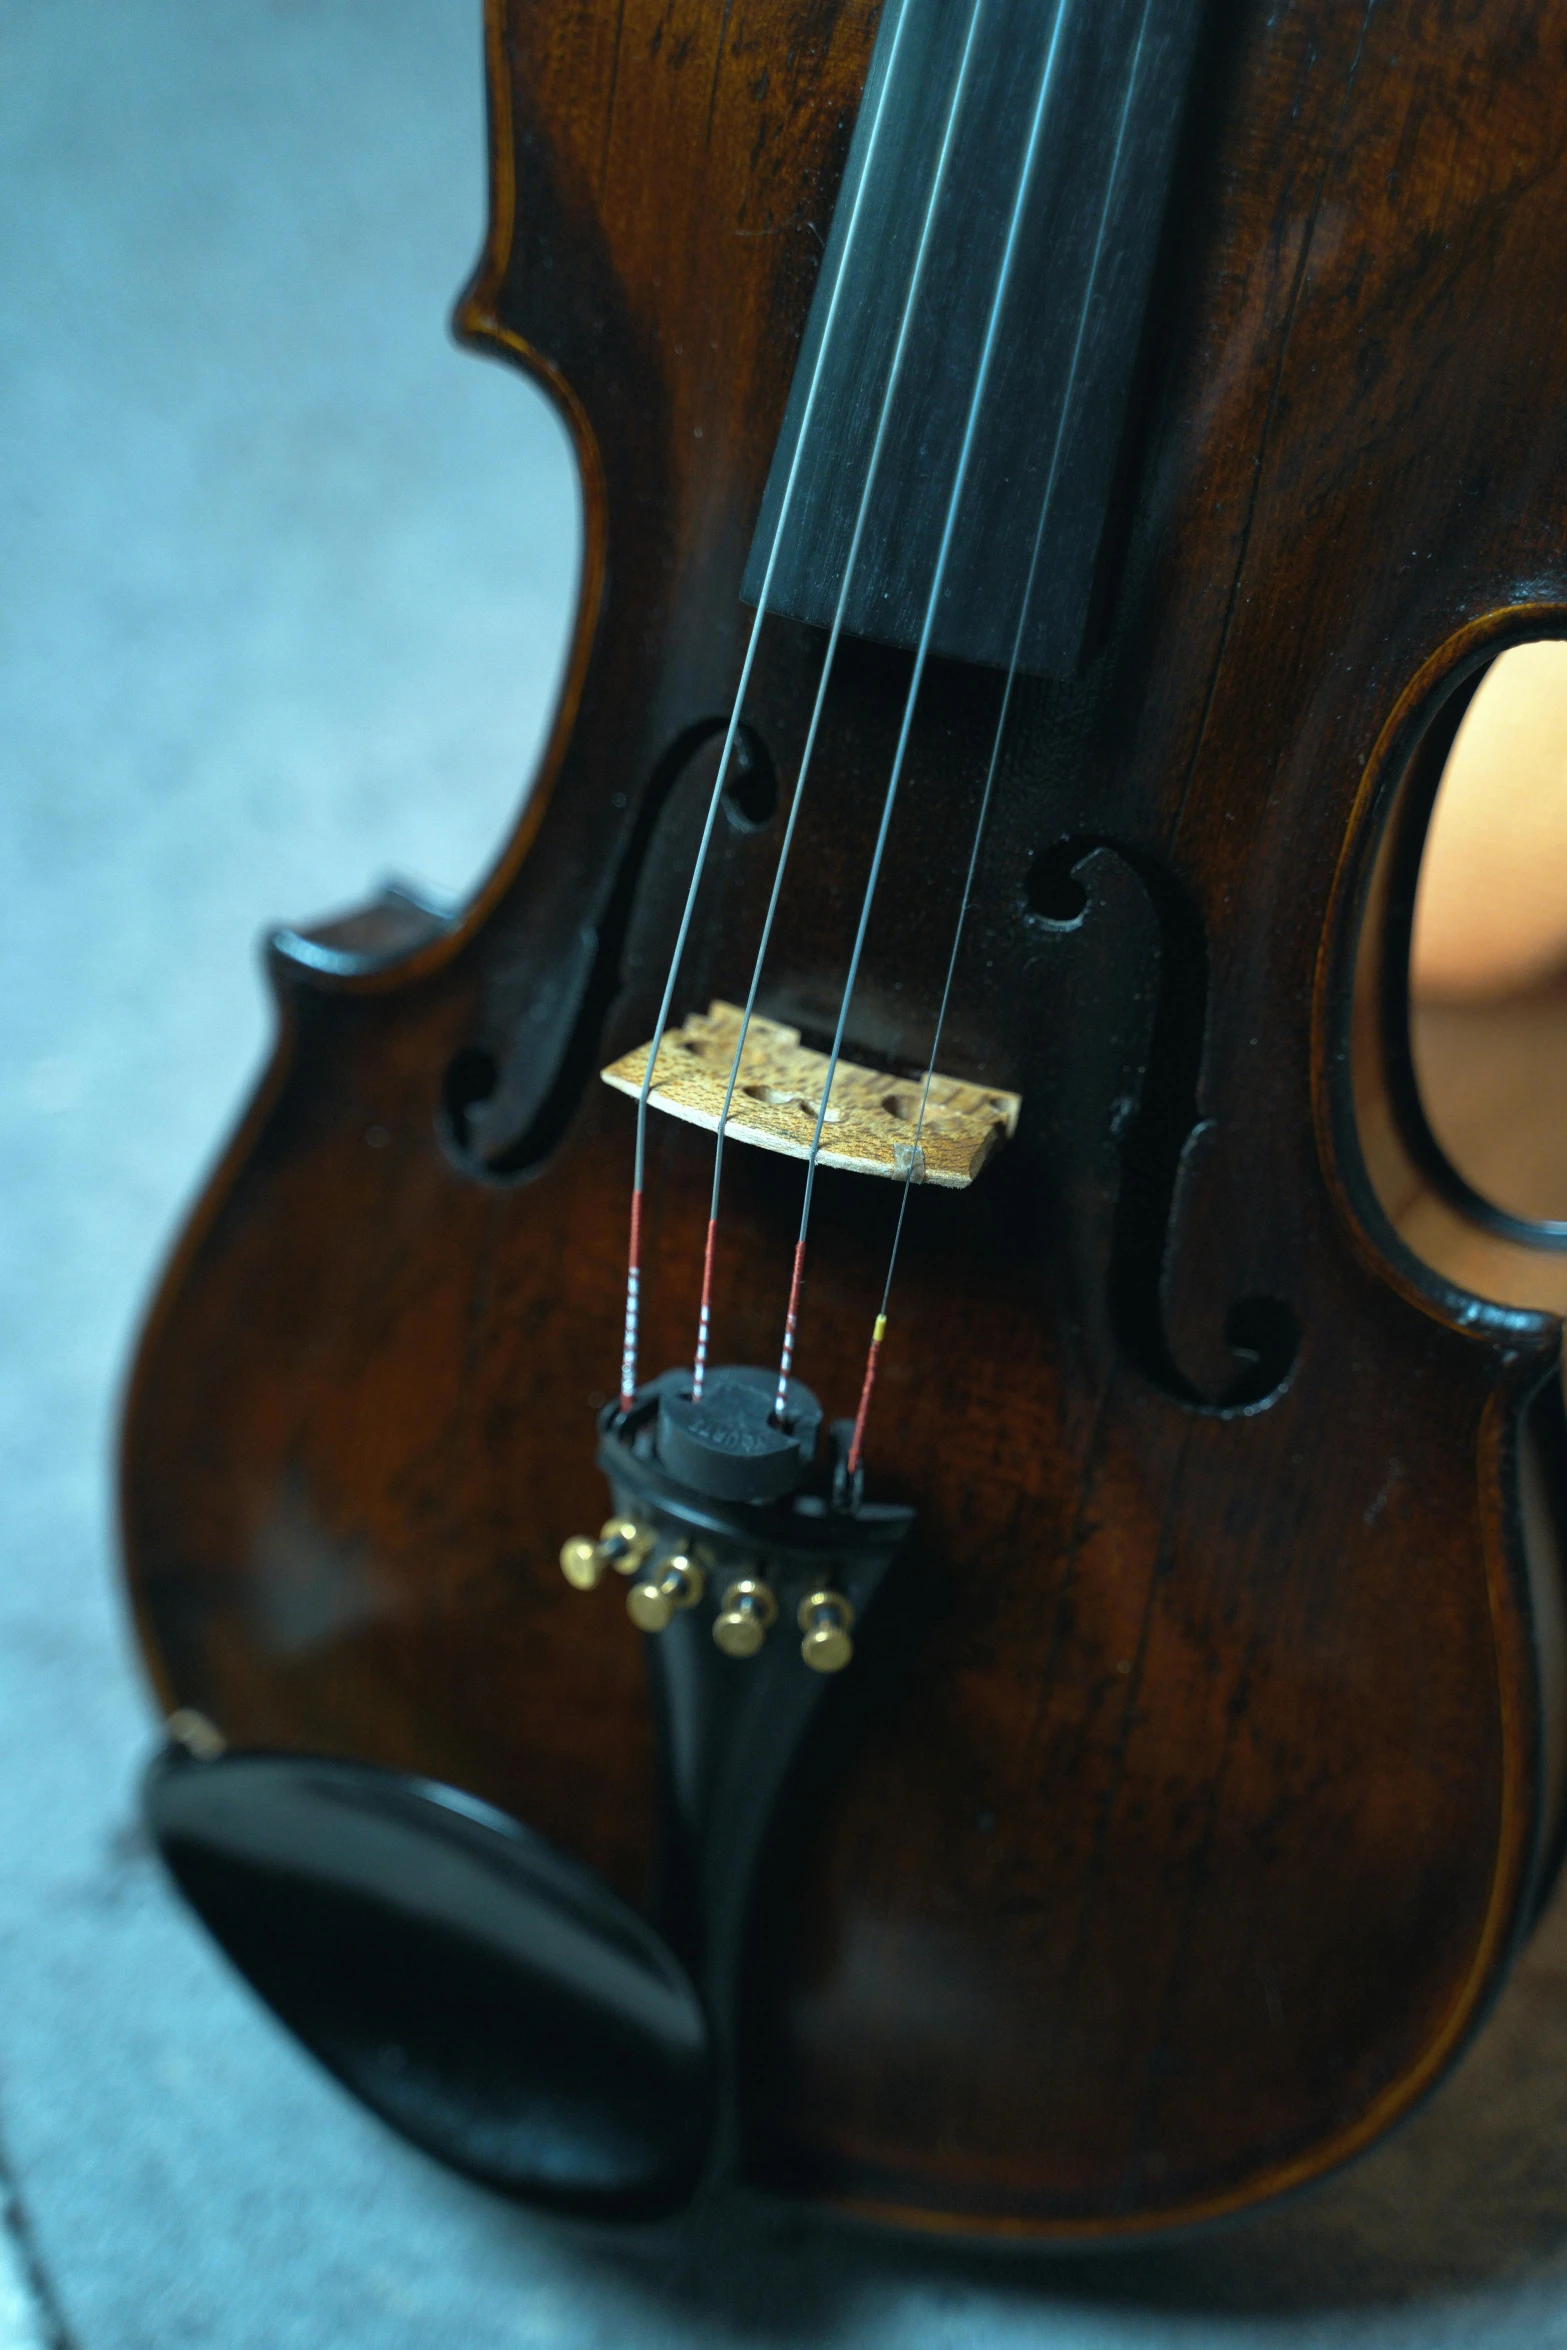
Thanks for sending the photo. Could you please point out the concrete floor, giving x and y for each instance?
(282, 597)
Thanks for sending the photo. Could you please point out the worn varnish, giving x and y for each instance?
(1185, 1800)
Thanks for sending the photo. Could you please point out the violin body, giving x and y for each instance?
(1195, 1776)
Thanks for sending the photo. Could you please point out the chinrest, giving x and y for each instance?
(488, 1996)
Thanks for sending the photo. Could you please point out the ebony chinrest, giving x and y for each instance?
(491, 1998)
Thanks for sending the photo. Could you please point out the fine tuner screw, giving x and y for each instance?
(676, 1581)
(826, 1618)
(748, 1614)
(622, 1544)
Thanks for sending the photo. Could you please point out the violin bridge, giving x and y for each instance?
(872, 1119)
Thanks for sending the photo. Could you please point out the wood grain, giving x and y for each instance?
(1182, 1808)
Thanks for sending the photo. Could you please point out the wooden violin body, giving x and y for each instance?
(1193, 1781)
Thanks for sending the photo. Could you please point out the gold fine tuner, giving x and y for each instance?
(748, 1614)
(826, 1619)
(675, 1582)
(622, 1544)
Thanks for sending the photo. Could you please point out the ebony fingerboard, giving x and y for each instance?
(1031, 520)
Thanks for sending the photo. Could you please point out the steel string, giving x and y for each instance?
(922, 653)
(895, 370)
(628, 1360)
(879, 1328)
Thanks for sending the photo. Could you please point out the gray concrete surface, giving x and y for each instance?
(282, 595)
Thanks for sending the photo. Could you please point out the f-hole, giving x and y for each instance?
(497, 1140)
(1156, 1138)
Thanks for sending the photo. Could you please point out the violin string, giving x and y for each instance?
(628, 1359)
(922, 653)
(879, 1327)
(851, 562)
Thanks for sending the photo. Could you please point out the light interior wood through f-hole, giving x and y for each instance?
(1488, 982)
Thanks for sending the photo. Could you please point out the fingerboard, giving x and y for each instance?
(1031, 522)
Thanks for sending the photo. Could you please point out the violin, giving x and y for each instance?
(1000, 1666)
